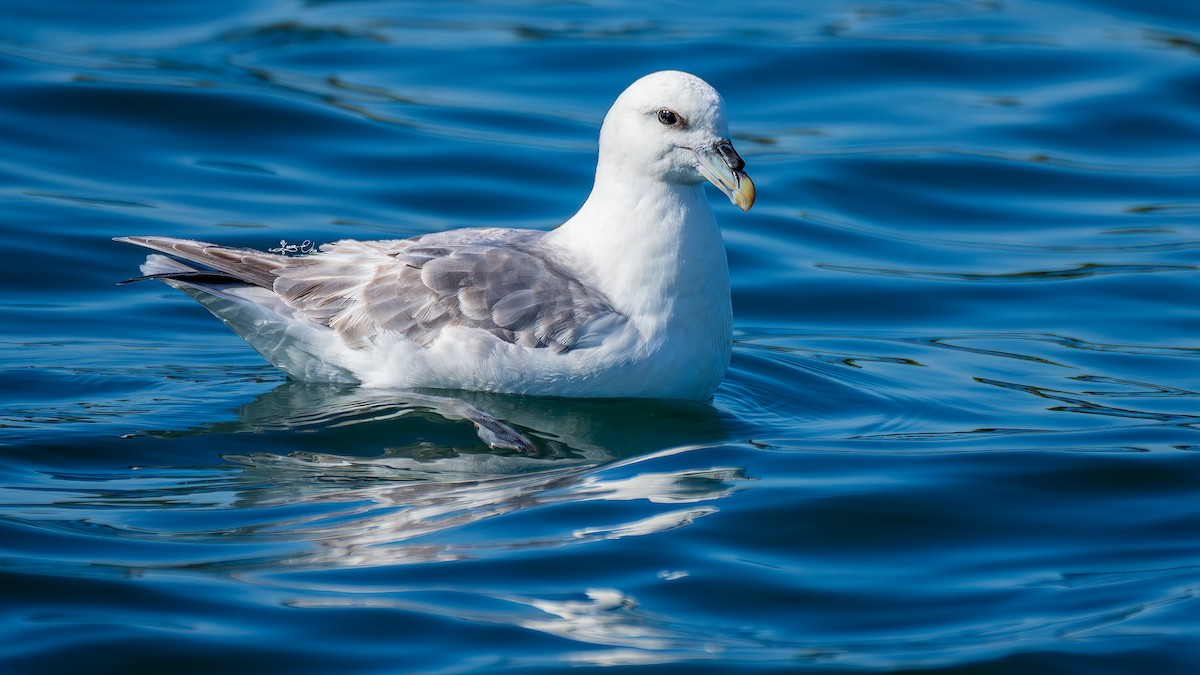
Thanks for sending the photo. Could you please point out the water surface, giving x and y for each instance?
(959, 433)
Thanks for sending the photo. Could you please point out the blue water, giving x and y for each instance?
(959, 433)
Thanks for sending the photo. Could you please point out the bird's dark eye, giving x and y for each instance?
(668, 117)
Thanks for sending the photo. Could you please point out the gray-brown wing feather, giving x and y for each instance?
(245, 264)
(493, 280)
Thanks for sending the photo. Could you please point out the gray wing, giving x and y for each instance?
(495, 280)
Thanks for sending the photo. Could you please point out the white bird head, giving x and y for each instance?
(671, 126)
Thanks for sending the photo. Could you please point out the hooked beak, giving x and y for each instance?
(720, 165)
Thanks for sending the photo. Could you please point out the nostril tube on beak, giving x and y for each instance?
(729, 156)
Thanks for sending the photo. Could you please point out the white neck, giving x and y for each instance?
(654, 249)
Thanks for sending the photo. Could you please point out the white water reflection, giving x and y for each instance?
(652, 525)
(664, 488)
(361, 496)
(609, 619)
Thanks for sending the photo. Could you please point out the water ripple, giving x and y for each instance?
(1078, 404)
(1077, 272)
(958, 433)
(371, 511)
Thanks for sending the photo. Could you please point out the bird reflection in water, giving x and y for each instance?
(379, 502)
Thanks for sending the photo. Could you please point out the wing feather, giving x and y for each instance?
(494, 280)
(246, 264)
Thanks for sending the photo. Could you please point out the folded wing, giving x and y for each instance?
(493, 280)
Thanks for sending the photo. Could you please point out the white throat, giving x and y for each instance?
(654, 249)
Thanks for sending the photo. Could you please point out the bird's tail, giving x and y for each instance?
(291, 342)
